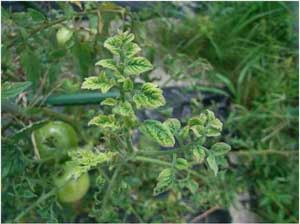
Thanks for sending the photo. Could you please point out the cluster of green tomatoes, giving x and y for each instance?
(55, 138)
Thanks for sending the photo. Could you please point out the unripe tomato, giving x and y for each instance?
(55, 137)
(63, 35)
(74, 189)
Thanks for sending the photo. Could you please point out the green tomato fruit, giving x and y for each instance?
(74, 189)
(55, 137)
(63, 35)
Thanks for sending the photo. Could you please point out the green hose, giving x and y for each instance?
(79, 98)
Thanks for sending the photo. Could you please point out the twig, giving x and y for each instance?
(205, 214)
(35, 148)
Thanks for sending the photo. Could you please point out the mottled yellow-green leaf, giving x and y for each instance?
(98, 82)
(173, 124)
(198, 153)
(138, 65)
(109, 102)
(84, 160)
(150, 96)
(131, 49)
(158, 132)
(127, 85)
(104, 121)
(115, 43)
(124, 109)
(220, 148)
(108, 63)
(164, 181)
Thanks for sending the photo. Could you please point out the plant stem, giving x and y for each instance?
(36, 203)
(110, 186)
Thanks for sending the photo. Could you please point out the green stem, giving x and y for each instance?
(110, 187)
(36, 203)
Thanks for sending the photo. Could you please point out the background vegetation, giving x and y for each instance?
(239, 59)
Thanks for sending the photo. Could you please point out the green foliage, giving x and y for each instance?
(12, 89)
(243, 52)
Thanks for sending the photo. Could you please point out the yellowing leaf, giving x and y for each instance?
(164, 181)
(198, 153)
(158, 132)
(109, 102)
(131, 49)
(98, 82)
(137, 65)
(150, 97)
(173, 124)
(124, 109)
(115, 43)
(84, 160)
(104, 121)
(108, 63)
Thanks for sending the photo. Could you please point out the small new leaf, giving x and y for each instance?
(137, 65)
(108, 63)
(115, 43)
(98, 82)
(211, 160)
(158, 132)
(220, 148)
(173, 124)
(149, 97)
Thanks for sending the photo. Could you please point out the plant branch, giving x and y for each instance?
(198, 218)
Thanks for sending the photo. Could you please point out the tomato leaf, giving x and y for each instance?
(98, 82)
(150, 96)
(138, 65)
(158, 132)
